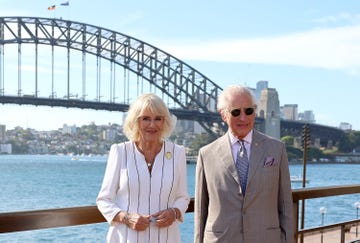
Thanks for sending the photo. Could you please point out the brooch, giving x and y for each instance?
(168, 155)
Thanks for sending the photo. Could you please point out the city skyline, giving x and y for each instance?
(308, 51)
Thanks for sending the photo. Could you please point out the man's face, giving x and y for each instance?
(240, 123)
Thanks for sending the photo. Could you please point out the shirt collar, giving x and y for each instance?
(246, 139)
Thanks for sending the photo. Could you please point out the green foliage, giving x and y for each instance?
(315, 153)
(350, 142)
(26, 134)
(293, 153)
(288, 140)
(19, 147)
(199, 141)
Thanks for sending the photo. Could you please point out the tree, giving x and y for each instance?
(350, 142)
(288, 140)
(315, 153)
(293, 153)
(199, 141)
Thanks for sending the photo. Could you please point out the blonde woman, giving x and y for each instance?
(144, 191)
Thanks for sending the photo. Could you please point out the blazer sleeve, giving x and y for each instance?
(105, 199)
(286, 215)
(201, 201)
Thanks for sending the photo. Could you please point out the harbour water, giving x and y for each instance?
(45, 181)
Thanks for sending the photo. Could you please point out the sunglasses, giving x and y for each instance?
(248, 111)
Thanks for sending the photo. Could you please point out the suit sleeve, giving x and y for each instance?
(201, 201)
(285, 201)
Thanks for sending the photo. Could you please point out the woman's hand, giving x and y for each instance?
(134, 221)
(138, 222)
(165, 217)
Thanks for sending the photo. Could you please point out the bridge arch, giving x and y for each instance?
(194, 94)
(189, 89)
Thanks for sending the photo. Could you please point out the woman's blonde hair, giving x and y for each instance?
(156, 106)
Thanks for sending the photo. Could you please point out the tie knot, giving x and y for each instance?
(242, 149)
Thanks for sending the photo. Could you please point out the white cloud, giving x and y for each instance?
(341, 17)
(330, 48)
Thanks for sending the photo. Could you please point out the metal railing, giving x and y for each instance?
(51, 218)
(302, 194)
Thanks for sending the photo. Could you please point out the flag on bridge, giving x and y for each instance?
(65, 3)
(51, 7)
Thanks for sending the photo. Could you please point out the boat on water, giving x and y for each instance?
(298, 179)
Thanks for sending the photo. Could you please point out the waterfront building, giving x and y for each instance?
(5, 149)
(2, 133)
(69, 129)
(109, 134)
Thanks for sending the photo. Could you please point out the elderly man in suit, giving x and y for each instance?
(243, 189)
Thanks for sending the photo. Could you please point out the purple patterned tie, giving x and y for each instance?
(242, 165)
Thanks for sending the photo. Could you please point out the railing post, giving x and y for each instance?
(342, 234)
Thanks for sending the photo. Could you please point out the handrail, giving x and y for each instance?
(317, 192)
(50, 218)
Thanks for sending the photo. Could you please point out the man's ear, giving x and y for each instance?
(223, 115)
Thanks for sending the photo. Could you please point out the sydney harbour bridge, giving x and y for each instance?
(62, 63)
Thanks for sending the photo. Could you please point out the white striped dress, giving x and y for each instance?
(129, 186)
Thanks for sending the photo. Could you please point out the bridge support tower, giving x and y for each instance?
(269, 109)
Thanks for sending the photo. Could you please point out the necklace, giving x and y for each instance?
(166, 155)
(149, 158)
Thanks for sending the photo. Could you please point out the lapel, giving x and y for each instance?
(223, 149)
(257, 155)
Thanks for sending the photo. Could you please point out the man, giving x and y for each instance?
(259, 212)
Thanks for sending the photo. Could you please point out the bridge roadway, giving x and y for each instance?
(327, 135)
(290, 128)
(82, 104)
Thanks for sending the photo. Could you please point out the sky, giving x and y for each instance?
(309, 51)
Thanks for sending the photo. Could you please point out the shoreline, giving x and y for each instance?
(324, 163)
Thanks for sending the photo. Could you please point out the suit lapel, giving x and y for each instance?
(226, 158)
(257, 153)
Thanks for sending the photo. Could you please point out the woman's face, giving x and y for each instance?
(150, 126)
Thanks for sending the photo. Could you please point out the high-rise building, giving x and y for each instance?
(289, 111)
(260, 86)
(69, 129)
(109, 134)
(307, 116)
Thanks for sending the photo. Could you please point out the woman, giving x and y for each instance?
(144, 191)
